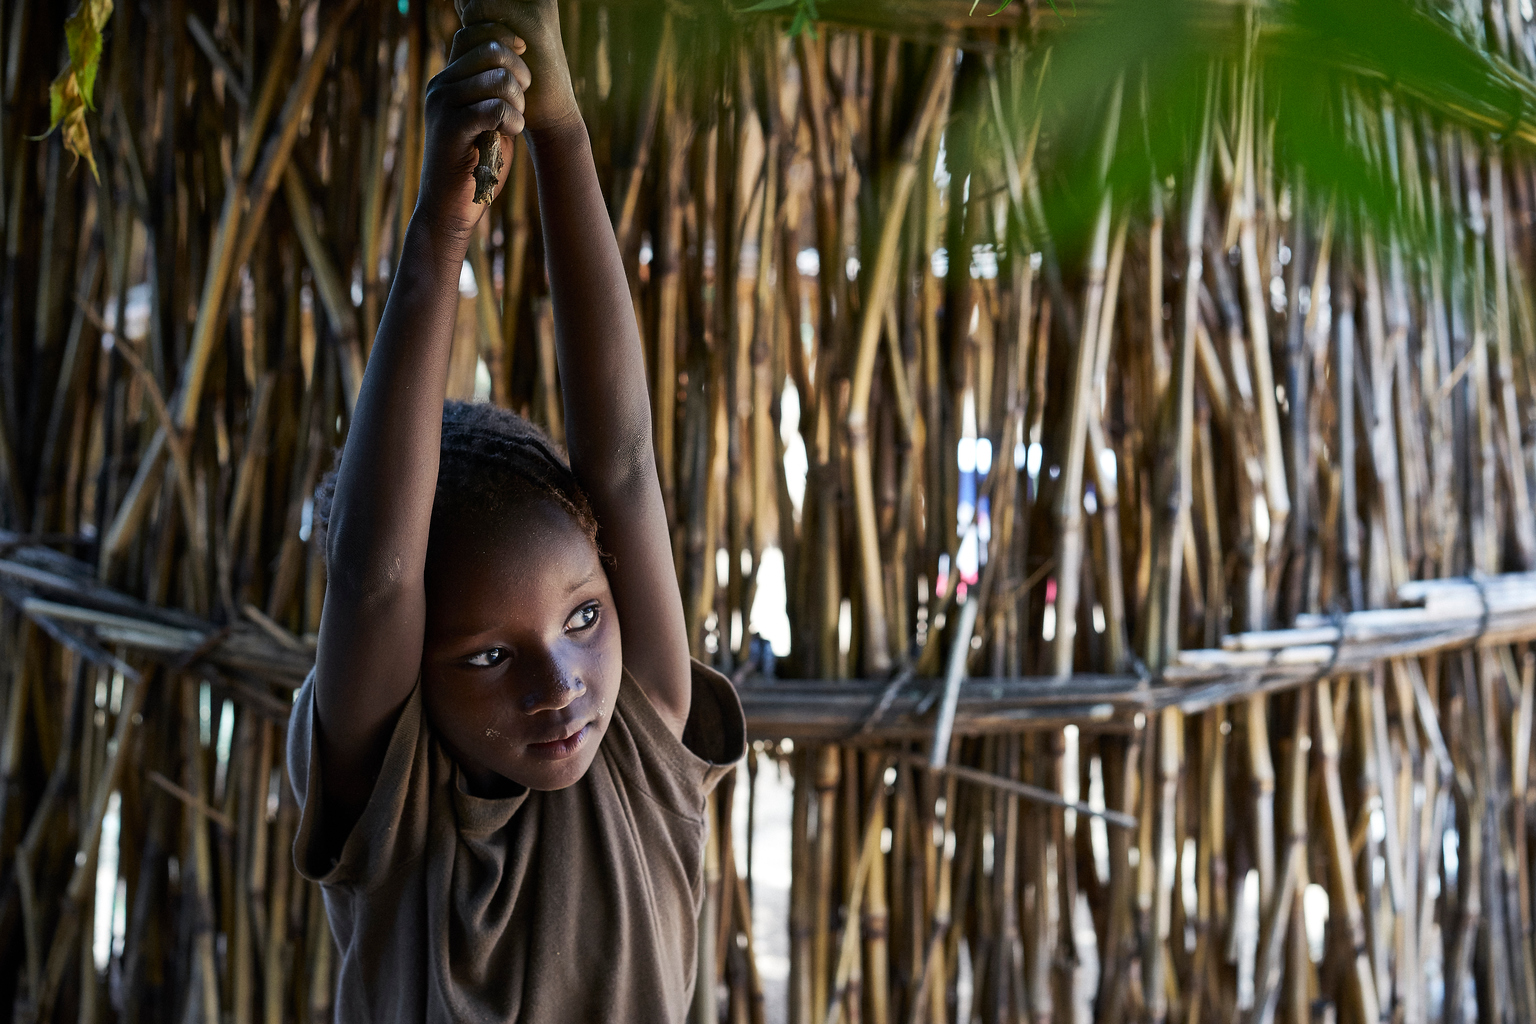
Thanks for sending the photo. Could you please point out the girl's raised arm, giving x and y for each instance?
(371, 629)
(602, 369)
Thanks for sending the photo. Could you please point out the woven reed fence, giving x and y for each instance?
(1139, 366)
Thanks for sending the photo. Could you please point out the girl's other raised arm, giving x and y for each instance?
(602, 368)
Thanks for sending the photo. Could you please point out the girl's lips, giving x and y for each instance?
(559, 750)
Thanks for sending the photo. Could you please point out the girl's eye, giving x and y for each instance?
(582, 618)
(486, 659)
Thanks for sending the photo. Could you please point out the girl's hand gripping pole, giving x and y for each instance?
(488, 170)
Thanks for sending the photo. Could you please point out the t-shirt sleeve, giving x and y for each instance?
(642, 750)
(716, 730)
(392, 829)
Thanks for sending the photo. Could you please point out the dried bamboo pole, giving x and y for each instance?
(928, 1001)
(238, 226)
(1069, 502)
(1523, 520)
(828, 764)
(1244, 213)
(868, 856)
(661, 82)
(883, 279)
(1279, 919)
(801, 987)
(1363, 987)
(1172, 487)
(201, 858)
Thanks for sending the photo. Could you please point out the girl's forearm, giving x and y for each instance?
(373, 623)
(382, 507)
(602, 368)
(608, 415)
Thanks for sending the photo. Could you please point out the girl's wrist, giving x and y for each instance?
(436, 240)
(553, 140)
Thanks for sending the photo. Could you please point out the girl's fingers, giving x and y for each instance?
(477, 34)
(497, 83)
(495, 115)
(490, 55)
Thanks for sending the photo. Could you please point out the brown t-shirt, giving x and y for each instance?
(575, 905)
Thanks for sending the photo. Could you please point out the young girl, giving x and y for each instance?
(502, 793)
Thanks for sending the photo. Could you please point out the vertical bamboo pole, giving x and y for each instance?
(1483, 470)
(275, 965)
(1245, 205)
(1522, 520)
(1343, 297)
(828, 762)
(874, 926)
(1069, 499)
(1341, 860)
(801, 996)
(202, 859)
(1171, 490)
(1281, 917)
(903, 177)
(706, 1008)
(764, 441)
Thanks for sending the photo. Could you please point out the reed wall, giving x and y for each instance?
(1074, 361)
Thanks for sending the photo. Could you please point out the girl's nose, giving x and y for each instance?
(550, 686)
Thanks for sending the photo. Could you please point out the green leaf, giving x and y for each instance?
(806, 14)
(82, 32)
(60, 92)
(69, 95)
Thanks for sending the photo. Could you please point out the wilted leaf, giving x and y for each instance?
(69, 96)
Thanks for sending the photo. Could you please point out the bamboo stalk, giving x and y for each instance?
(1363, 982)
(883, 278)
(255, 187)
(868, 856)
(202, 858)
(828, 772)
(660, 84)
(1280, 918)
(874, 924)
(1069, 502)
(1172, 482)
(1245, 197)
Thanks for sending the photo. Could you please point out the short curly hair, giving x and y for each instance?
(492, 461)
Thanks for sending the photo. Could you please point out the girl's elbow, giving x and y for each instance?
(618, 468)
(368, 581)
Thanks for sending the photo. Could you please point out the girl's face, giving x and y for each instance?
(522, 660)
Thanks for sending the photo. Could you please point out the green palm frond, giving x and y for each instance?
(1326, 70)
